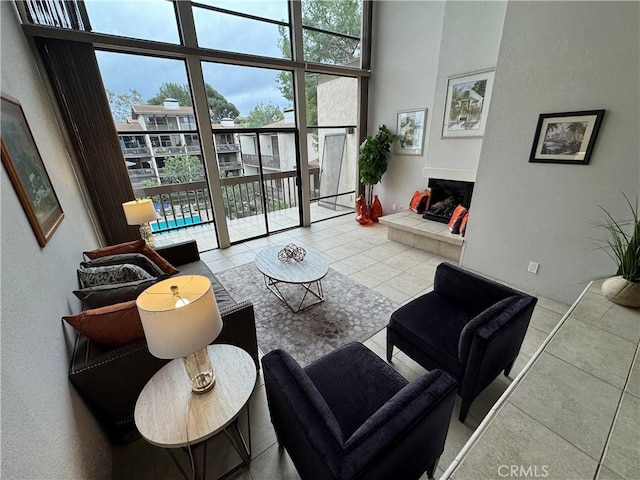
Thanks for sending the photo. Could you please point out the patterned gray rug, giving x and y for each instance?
(350, 312)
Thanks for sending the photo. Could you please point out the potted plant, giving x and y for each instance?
(372, 160)
(623, 245)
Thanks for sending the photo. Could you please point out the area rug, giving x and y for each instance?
(350, 312)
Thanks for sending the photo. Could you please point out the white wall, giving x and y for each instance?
(556, 57)
(470, 41)
(405, 48)
(417, 46)
(47, 432)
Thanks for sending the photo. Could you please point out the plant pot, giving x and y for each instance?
(376, 209)
(363, 219)
(362, 211)
(621, 291)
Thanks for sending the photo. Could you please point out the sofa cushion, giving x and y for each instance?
(136, 246)
(200, 268)
(115, 325)
(103, 295)
(110, 275)
(138, 259)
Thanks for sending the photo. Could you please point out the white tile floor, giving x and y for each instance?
(248, 227)
(394, 270)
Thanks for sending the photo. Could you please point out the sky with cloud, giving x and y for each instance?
(155, 20)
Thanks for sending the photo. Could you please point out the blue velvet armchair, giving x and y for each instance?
(349, 415)
(468, 326)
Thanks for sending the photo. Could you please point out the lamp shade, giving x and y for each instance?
(179, 316)
(138, 212)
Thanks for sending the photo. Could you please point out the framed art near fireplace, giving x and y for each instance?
(25, 168)
(467, 104)
(566, 137)
(410, 129)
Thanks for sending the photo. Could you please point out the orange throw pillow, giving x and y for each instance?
(136, 246)
(456, 219)
(463, 225)
(117, 324)
(420, 201)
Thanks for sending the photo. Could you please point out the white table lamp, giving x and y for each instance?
(180, 317)
(141, 212)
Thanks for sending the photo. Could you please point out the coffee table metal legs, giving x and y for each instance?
(319, 294)
(199, 466)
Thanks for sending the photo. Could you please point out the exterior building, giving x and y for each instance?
(145, 153)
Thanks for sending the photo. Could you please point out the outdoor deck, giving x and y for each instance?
(245, 228)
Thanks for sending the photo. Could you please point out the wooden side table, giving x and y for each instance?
(170, 416)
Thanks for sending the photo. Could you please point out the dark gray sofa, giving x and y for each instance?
(110, 379)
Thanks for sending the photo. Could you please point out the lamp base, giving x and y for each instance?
(200, 371)
(147, 234)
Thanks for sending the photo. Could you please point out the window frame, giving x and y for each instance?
(188, 51)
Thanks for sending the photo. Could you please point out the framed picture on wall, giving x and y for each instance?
(467, 104)
(566, 137)
(25, 168)
(410, 128)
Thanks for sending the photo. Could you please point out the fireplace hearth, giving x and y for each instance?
(445, 196)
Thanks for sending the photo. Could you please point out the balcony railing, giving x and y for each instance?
(268, 161)
(184, 204)
(227, 147)
(136, 151)
(173, 150)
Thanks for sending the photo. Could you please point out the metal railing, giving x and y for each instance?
(227, 147)
(136, 151)
(183, 204)
(171, 150)
(268, 161)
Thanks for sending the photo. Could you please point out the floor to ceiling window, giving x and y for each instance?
(256, 151)
(204, 92)
(152, 110)
(334, 142)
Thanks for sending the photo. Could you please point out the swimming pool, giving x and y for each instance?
(180, 222)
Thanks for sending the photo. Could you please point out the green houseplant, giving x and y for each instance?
(623, 246)
(372, 160)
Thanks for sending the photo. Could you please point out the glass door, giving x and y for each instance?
(255, 138)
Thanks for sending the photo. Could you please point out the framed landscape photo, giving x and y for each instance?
(467, 104)
(566, 137)
(410, 128)
(25, 168)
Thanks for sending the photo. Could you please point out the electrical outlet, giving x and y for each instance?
(394, 207)
(533, 267)
(400, 207)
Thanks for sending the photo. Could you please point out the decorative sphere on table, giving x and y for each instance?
(291, 251)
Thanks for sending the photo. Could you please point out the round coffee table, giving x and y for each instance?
(169, 415)
(307, 273)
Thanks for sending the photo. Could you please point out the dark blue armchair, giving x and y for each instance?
(468, 326)
(349, 415)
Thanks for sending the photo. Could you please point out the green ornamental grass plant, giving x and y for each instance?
(623, 244)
